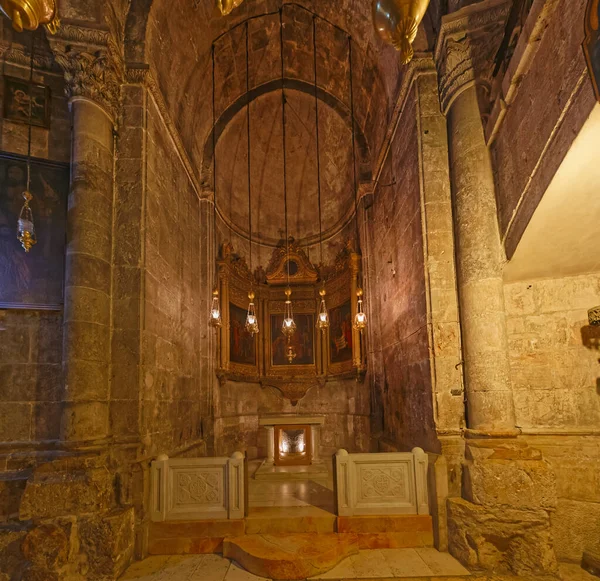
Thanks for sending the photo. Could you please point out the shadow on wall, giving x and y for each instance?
(590, 337)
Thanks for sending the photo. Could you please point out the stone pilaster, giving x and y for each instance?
(464, 55)
(92, 86)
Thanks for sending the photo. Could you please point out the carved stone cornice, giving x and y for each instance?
(466, 46)
(91, 64)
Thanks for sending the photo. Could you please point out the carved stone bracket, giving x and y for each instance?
(291, 389)
(467, 43)
(91, 65)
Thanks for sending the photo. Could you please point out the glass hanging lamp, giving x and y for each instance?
(214, 319)
(360, 319)
(323, 317)
(251, 318)
(25, 226)
(215, 310)
(288, 328)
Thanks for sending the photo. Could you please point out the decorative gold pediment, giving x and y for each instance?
(301, 270)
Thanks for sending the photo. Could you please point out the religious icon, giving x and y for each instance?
(591, 44)
(340, 333)
(18, 97)
(242, 344)
(302, 340)
(34, 279)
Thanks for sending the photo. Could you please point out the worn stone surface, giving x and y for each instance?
(554, 352)
(524, 484)
(290, 556)
(55, 490)
(107, 541)
(501, 539)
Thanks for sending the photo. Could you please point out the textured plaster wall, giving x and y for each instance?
(554, 352)
(553, 100)
(406, 399)
(343, 402)
(174, 384)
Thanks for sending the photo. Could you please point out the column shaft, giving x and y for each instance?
(86, 342)
(479, 270)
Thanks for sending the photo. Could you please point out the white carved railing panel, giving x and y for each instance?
(198, 488)
(380, 484)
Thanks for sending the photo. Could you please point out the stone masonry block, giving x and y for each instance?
(501, 539)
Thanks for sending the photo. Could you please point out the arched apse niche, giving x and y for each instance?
(337, 178)
(178, 39)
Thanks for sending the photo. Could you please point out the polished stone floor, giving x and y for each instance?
(290, 493)
(383, 565)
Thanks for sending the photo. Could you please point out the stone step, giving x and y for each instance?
(290, 556)
(294, 519)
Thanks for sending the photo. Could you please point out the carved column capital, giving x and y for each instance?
(91, 65)
(466, 47)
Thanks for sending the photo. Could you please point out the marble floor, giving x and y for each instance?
(290, 493)
(380, 563)
(383, 565)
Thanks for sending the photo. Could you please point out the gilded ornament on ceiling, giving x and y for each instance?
(397, 23)
(30, 14)
(226, 6)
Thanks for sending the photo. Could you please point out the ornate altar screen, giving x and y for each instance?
(262, 357)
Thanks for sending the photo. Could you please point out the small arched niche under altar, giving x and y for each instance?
(339, 351)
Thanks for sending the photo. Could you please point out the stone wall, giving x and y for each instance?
(175, 384)
(554, 352)
(406, 398)
(239, 406)
(31, 341)
(555, 374)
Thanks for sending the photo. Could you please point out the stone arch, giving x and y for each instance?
(338, 106)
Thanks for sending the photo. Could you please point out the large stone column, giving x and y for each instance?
(465, 50)
(92, 88)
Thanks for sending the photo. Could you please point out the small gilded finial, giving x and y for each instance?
(251, 295)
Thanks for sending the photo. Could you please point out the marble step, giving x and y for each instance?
(276, 520)
(290, 556)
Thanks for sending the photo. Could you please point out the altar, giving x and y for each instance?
(292, 447)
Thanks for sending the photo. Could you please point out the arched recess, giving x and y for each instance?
(362, 147)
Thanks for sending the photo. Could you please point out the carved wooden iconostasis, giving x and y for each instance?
(338, 351)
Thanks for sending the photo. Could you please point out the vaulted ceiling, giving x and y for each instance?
(175, 37)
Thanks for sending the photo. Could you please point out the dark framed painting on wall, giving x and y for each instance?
(18, 96)
(33, 280)
(340, 333)
(242, 345)
(591, 44)
(303, 340)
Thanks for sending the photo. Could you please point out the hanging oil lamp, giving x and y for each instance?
(215, 319)
(215, 310)
(397, 23)
(30, 14)
(290, 352)
(226, 6)
(25, 226)
(288, 327)
(360, 319)
(251, 318)
(323, 317)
